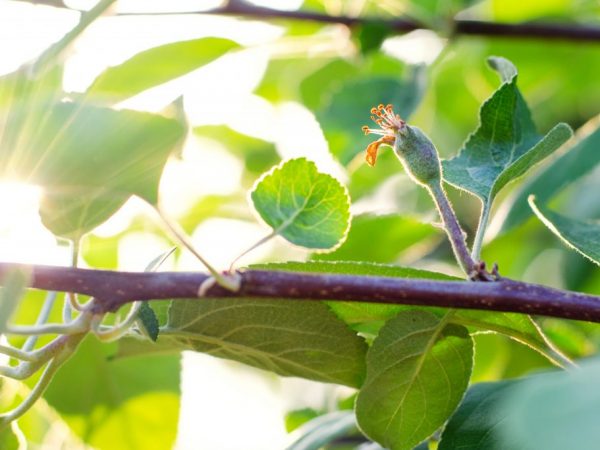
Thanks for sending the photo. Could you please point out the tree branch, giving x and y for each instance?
(114, 289)
(534, 30)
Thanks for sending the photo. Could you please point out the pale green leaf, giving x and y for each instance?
(156, 66)
(554, 411)
(323, 430)
(112, 403)
(88, 159)
(583, 236)
(418, 370)
(581, 158)
(474, 425)
(506, 143)
(380, 238)
(73, 215)
(290, 338)
(304, 206)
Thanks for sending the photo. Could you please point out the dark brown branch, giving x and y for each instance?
(114, 289)
(536, 30)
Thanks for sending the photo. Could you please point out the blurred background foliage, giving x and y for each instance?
(297, 88)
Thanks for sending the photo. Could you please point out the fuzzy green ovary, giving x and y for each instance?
(418, 156)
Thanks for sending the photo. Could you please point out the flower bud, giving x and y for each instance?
(418, 155)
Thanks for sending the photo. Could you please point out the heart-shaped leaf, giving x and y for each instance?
(304, 206)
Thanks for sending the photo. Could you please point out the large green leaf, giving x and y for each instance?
(380, 239)
(88, 159)
(474, 425)
(581, 158)
(112, 403)
(304, 206)
(583, 236)
(344, 115)
(156, 66)
(418, 370)
(506, 143)
(290, 338)
(554, 411)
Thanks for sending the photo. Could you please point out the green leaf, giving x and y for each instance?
(418, 370)
(379, 239)
(323, 430)
(289, 338)
(474, 425)
(112, 403)
(88, 159)
(505, 145)
(9, 439)
(73, 215)
(519, 327)
(298, 417)
(304, 206)
(554, 411)
(156, 66)
(579, 160)
(583, 236)
(371, 35)
(343, 117)
(257, 154)
(148, 321)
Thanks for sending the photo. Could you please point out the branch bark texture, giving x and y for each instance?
(114, 289)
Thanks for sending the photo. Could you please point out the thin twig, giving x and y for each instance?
(114, 289)
(460, 27)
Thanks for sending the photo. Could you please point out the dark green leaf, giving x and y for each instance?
(156, 66)
(148, 321)
(112, 403)
(575, 163)
(371, 35)
(343, 117)
(474, 426)
(505, 145)
(289, 338)
(304, 206)
(579, 235)
(323, 430)
(554, 411)
(379, 239)
(418, 370)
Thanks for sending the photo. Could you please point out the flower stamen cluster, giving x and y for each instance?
(389, 125)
